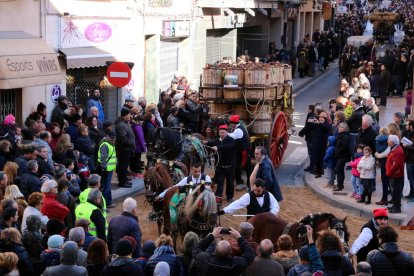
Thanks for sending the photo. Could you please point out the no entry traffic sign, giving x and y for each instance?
(119, 74)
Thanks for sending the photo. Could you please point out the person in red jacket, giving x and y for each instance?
(394, 169)
(51, 207)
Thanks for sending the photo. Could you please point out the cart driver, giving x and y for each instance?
(256, 201)
(190, 182)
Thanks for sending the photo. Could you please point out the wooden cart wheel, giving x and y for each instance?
(278, 139)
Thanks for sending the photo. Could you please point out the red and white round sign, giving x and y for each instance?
(119, 74)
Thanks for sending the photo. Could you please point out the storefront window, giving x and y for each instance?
(7, 102)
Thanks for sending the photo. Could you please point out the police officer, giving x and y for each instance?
(191, 181)
(91, 211)
(256, 201)
(241, 138)
(107, 160)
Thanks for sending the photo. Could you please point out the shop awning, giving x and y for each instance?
(27, 61)
(84, 57)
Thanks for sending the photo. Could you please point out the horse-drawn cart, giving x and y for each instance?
(261, 94)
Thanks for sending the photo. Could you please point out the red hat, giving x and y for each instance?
(235, 119)
(380, 213)
(225, 127)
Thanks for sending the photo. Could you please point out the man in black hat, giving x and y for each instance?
(129, 103)
(125, 146)
(57, 113)
(122, 263)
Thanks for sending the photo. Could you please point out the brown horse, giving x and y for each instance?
(159, 177)
(269, 226)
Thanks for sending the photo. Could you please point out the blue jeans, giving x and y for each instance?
(106, 178)
(330, 175)
(356, 185)
(410, 174)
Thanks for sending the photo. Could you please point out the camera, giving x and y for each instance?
(225, 231)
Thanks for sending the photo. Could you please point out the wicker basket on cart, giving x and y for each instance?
(262, 126)
(213, 93)
(241, 111)
(232, 94)
(287, 89)
(280, 90)
(257, 77)
(219, 109)
(238, 72)
(260, 94)
(287, 72)
(212, 77)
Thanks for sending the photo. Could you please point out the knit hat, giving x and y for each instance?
(112, 134)
(9, 120)
(234, 119)
(399, 115)
(55, 242)
(124, 247)
(147, 249)
(380, 213)
(223, 127)
(125, 111)
(303, 253)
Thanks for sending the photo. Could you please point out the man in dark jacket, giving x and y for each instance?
(68, 257)
(388, 259)
(367, 133)
(125, 146)
(42, 161)
(221, 263)
(28, 153)
(354, 123)
(264, 170)
(57, 113)
(125, 224)
(307, 132)
(194, 107)
(383, 84)
(264, 264)
(225, 147)
(122, 264)
(29, 182)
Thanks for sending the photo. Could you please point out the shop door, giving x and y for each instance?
(213, 46)
(169, 55)
(8, 103)
(81, 83)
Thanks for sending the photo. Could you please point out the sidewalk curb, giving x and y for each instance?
(346, 206)
(120, 194)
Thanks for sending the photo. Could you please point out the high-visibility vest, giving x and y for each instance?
(84, 210)
(111, 162)
(83, 198)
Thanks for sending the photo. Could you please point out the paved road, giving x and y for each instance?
(319, 91)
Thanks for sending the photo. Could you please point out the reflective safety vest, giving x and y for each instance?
(84, 210)
(83, 198)
(111, 159)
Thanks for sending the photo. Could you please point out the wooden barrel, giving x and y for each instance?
(260, 94)
(260, 112)
(232, 94)
(262, 126)
(257, 77)
(241, 111)
(219, 109)
(238, 72)
(287, 72)
(212, 93)
(212, 77)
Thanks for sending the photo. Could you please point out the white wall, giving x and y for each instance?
(21, 15)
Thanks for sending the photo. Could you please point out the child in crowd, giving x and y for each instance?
(330, 161)
(51, 255)
(366, 168)
(355, 175)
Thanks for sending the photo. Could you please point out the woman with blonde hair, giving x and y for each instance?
(8, 264)
(64, 149)
(11, 241)
(285, 255)
(165, 253)
(394, 129)
(13, 192)
(11, 169)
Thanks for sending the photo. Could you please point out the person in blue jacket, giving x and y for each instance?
(330, 161)
(95, 100)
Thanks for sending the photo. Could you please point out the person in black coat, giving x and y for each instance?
(85, 145)
(29, 182)
(11, 242)
(220, 262)
(121, 264)
(342, 154)
(388, 259)
(307, 132)
(42, 161)
(226, 148)
(320, 142)
(354, 123)
(367, 133)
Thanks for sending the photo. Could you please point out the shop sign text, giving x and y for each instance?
(98, 32)
(22, 65)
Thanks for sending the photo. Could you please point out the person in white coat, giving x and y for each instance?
(366, 168)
